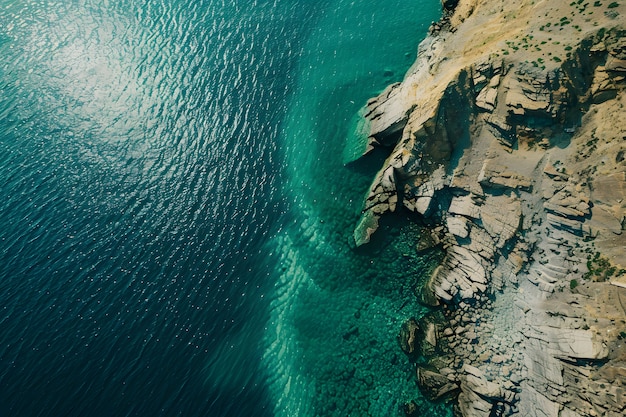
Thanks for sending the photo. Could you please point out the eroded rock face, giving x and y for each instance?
(513, 147)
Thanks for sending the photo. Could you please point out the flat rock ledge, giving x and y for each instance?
(508, 137)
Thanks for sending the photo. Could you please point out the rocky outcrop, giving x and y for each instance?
(423, 137)
(421, 338)
(436, 385)
(507, 138)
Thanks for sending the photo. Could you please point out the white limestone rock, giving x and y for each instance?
(501, 217)
(464, 206)
(457, 225)
(495, 175)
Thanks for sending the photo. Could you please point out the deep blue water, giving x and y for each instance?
(175, 218)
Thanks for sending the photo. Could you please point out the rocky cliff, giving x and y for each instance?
(508, 138)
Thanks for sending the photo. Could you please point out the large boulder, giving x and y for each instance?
(434, 385)
(421, 337)
(408, 338)
(430, 329)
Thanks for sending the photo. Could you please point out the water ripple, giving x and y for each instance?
(140, 177)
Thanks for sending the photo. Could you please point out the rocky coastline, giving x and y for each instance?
(507, 139)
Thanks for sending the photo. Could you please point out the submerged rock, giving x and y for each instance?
(428, 239)
(430, 328)
(408, 338)
(434, 385)
(411, 409)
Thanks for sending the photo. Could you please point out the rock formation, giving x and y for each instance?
(508, 136)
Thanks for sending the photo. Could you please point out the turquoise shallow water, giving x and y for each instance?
(334, 321)
(176, 219)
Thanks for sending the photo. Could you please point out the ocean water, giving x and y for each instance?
(175, 216)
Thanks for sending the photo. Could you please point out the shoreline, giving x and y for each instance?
(504, 136)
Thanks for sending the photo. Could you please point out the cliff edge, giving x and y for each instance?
(507, 138)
